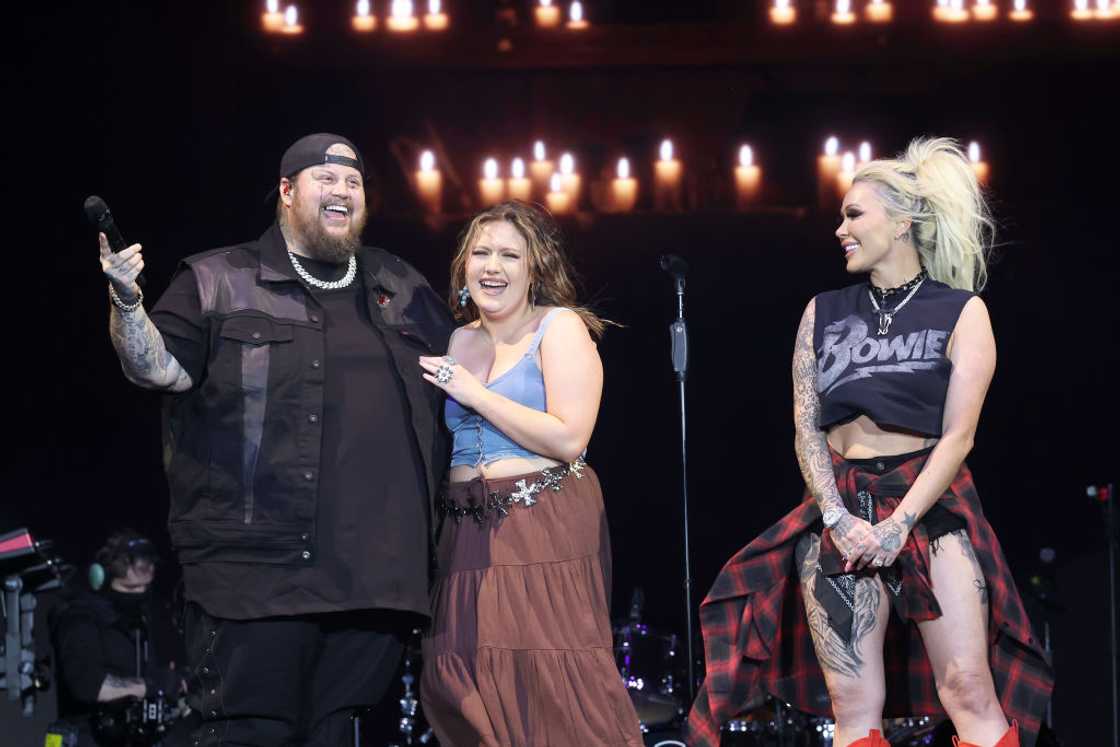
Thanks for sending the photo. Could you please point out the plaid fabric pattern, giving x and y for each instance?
(757, 640)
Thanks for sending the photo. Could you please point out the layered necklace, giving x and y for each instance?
(879, 298)
(342, 282)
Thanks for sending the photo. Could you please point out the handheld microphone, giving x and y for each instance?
(97, 213)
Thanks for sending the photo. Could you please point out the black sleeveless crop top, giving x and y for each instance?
(899, 380)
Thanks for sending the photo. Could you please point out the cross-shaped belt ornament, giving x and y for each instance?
(524, 494)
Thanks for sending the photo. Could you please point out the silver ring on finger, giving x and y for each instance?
(444, 374)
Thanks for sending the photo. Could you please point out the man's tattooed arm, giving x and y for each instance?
(809, 441)
(144, 357)
(115, 687)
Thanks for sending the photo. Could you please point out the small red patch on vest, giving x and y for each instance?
(382, 300)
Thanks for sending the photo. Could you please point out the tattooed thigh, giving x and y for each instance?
(836, 655)
(978, 581)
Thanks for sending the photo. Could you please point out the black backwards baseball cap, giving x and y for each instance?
(311, 150)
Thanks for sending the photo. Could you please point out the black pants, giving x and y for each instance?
(286, 681)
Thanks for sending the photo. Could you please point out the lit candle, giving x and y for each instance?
(879, 11)
(518, 186)
(1020, 12)
(548, 15)
(864, 152)
(540, 170)
(828, 166)
(983, 10)
(401, 17)
(1081, 11)
(559, 201)
(952, 11)
(624, 188)
(435, 19)
(291, 21)
(846, 174)
(1106, 11)
(363, 20)
(667, 181)
(747, 178)
(429, 182)
(569, 178)
(783, 13)
(843, 14)
(490, 187)
(576, 21)
(979, 166)
(272, 19)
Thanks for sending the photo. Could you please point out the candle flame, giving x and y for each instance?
(1020, 5)
(942, 3)
(666, 150)
(974, 152)
(291, 16)
(538, 151)
(434, 7)
(490, 169)
(624, 168)
(864, 152)
(983, 3)
(781, 4)
(746, 156)
(957, 4)
(831, 146)
(554, 184)
(273, 6)
(363, 8)
(876, 2)
(567, 164)
(546, 3)
(427, 161)
(575, 12)
(1102, 5)
(1081, 4)
(517, 169)
(848, 162)
(843, 7)
(401, 9)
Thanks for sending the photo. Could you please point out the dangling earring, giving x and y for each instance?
(464, 296)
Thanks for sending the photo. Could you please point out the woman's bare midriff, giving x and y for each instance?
(862, 439)
(501, 468)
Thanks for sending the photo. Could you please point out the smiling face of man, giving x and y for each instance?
(323, 209)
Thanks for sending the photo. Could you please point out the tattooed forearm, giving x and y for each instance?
(142, 352)
(809, 441)
(833, 652)
(967, 550)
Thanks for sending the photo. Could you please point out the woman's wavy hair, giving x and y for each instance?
(551, 276)
(934, 186)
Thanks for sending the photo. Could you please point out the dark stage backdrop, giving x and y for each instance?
(177, 115)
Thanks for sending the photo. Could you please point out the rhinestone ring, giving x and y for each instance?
(444, 373)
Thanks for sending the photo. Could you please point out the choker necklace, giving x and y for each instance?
(342, 282)
(883, 293)
(886, 316)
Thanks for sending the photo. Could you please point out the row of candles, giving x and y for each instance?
(784, 12)
(402, 17)
(559, 186)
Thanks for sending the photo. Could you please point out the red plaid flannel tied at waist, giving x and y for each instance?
(757, 639)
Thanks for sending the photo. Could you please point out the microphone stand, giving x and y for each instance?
(678, 335)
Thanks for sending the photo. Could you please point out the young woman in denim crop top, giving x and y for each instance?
(889, 377)
(520, 651)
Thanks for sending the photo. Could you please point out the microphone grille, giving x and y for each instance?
(95, 207)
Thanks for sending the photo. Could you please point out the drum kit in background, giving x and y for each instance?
(654, 670)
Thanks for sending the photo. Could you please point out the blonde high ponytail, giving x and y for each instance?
(933, 185)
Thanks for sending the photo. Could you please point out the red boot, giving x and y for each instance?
(1010, 739)
(875, 739)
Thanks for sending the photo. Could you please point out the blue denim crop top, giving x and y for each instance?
(476, 441)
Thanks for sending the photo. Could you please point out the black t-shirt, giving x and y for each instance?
(371, 520)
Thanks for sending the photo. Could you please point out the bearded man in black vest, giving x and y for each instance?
(302, 450)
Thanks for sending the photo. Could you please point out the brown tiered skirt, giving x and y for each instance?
(520, 650)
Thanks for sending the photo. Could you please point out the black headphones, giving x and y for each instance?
(121, 550)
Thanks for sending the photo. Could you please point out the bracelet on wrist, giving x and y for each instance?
(120, 304)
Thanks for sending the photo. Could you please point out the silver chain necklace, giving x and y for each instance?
(342, 282)
(886, 316)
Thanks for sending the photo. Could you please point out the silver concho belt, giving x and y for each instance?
(500, 503)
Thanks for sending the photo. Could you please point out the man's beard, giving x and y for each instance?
(324, 246)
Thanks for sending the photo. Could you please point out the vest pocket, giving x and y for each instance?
(256, 338)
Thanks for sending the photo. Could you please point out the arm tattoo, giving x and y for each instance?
(833, 652)
(809, 441)
(909, 519)
(143, 354)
